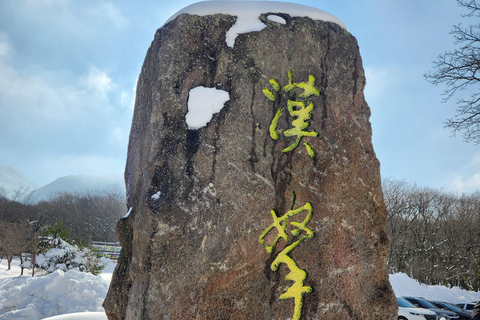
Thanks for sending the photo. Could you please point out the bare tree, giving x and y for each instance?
(3, 192)
(87, 215)
(396, 195)
(459, 70)
(14, 240)
(433, 235)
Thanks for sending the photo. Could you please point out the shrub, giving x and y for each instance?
(64, 256)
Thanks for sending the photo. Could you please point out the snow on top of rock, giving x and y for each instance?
(275, 18)
(248, 13)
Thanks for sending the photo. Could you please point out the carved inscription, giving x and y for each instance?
(299, 108)
(284, 226)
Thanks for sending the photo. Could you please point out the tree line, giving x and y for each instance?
(87, 216)
(434, 235)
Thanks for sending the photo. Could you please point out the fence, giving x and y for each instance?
(109, 250)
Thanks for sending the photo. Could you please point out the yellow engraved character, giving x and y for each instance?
(280, 224)
(268, 93)
(273, 125)
(297, 290)
(299, 110)
(301, 114)
(308, 87)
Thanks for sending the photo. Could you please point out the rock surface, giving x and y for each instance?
(202, 199)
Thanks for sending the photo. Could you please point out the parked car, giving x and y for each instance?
(462, 314)
(467, 306)
(407, 311)
(423, 303)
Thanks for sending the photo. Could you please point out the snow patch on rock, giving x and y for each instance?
(128, 213)
(156, 196)
(202, 104)
(275, 18)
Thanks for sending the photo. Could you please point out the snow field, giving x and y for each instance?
(40, 297)
(406, 286)
(80, 316)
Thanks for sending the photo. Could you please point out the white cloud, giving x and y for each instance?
(127, 99)
(379, 82)
(467, 179)
(47, 114)
(5, 47)
(54, 167)
(465, 185)
(58, 92)
(24, 93)
(97, 82)
(119, 136)
(107, 9)
(72, 15)
(476, 160)
(51, 95)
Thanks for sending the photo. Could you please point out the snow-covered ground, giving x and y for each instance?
(74, 295)
(406, 286)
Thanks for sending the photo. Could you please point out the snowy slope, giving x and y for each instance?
(13, 180)
(79, 184)
(27, 298)
(405, 286)
(80, 316)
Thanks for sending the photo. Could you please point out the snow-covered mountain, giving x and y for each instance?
(80, 184)
(13, 181)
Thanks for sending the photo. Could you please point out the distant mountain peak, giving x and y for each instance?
(12, 181)
(79, 184)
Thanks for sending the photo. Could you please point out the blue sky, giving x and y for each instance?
(68, 71)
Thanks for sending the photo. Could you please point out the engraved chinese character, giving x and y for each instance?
(297, 228)
(299, 110)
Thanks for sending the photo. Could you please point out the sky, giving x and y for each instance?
(68, 71)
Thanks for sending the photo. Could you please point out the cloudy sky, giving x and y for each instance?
(68, 70)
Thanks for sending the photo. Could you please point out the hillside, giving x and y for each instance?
(79, 184)
(13, 181)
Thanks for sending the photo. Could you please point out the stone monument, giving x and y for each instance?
(253, 188)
